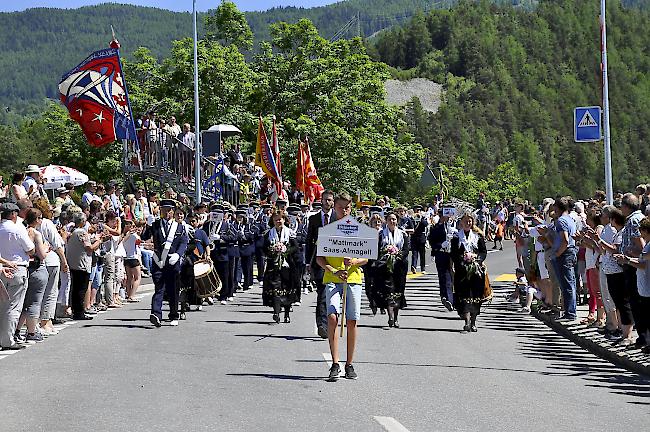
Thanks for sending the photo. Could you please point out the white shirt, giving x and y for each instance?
(53, 238)
(131, 246)
(15, 242)
(29, 181)
(89, 197)
(534, 233)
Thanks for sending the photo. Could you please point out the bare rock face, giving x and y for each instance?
(401, 92)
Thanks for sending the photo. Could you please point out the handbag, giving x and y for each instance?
(487, 289)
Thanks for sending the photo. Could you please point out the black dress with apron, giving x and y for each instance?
(281, 276)
(469, 284)
(388, 286)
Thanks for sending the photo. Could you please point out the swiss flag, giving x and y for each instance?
(97, 121)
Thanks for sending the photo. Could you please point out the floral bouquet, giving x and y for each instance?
(279, 249)
(470, 261)
(390, 253)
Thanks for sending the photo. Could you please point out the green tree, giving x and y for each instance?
(229, 25)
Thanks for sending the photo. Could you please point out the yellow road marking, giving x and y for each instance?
(506, 277)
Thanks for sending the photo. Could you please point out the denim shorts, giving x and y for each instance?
(334, 291)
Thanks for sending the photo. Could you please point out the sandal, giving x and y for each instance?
(589, 320)
(132, 300)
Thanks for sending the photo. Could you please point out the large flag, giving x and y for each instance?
(278, 164)
(264, 157)
(307, 180)
(95, 94)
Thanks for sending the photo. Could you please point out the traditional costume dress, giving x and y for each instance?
(468, 252)
(281, 276)
(389, 273)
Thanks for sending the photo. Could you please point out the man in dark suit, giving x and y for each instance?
(419, 239)
(169, 243)
(439, 236)
(316, 221)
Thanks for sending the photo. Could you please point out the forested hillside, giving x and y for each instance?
(39, 45)
(512, 80)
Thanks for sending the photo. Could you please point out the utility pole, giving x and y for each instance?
(609, 190)
(197, 131)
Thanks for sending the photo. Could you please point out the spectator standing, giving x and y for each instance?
(565, 254)
(79, 251)
(17, 190)
(16, 247)
(37, 279)
(32, 179)
(642, 264)
(631, 246)
(90, 194)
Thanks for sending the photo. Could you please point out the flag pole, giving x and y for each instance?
(116, 45)
(197, 145)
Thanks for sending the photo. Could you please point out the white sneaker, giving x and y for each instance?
(296, 304)
(525, 310)
(231, 298)
(199, 308)
(223, 302)
(173, 323)
(234, 294)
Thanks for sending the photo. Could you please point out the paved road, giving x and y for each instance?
(228, 369)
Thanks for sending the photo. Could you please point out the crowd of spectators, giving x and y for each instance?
(573, 252)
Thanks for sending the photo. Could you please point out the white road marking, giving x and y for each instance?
(390, 424)
(2, 356)
(328, 359)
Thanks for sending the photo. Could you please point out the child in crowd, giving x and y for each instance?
(525, 289)
(498, 235)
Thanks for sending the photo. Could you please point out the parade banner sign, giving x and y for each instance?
(348, 238)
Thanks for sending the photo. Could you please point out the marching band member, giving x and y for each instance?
(170, 242)
(248, 232)
(419, 240)
(219, 232)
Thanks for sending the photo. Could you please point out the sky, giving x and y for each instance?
(175, 5)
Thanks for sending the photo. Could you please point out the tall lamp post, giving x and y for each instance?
(607, 136)
(197, 146)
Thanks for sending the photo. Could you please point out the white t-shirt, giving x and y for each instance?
(591, 258)
(534, 233)
(53, 238)
(15, 242)
(131, 246)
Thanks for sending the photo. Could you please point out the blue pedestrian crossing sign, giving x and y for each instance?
(587, 124)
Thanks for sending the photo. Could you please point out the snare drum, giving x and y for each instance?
(206, 279)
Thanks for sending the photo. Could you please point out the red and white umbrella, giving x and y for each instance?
(55, 176)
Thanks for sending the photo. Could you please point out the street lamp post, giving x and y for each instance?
(197, 144)
(607, 136)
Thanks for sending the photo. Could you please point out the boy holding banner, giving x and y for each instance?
(343, 280)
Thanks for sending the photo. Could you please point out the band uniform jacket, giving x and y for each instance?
(156, 233)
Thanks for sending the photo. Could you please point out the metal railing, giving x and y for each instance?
(170, 160)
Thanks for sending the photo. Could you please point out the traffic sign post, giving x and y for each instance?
(587, 124)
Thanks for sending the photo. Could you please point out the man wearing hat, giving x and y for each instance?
(15, 249)
(63, 197)
(32, 181)
(262, 225)
(248, 231)
(220, 234)
(170, 242)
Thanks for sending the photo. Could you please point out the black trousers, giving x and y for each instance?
(261, 263)
(321, 307)
(636, 302)
(78, 286)
(166, 282)
(419, 250)
(232, 272)
(277, 307)
(620, 296)
(222, 268)
(247, 270)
